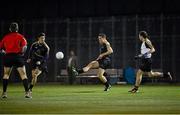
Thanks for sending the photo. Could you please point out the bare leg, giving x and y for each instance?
(159, 74)
(139, 77)
(23, 75)
(101, 76)
(103, 79)
(155, 74)
(7, 72)
(22, 72)
(138, 81)
(91, 65)
(35, 74)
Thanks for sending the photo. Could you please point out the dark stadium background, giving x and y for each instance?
(74, 24)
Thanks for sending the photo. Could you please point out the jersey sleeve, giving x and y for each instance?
(23, 42)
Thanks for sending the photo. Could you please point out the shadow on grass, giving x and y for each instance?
(84, 92)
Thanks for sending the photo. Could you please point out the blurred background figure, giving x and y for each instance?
(72, 63)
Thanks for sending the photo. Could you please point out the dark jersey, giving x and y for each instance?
(104, 49)
(38, 51)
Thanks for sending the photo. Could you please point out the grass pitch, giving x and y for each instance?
(91, 99)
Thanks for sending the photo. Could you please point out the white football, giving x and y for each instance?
(59, 55)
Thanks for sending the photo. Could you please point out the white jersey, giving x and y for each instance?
(144, 50)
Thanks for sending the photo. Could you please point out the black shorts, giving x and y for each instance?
(41, 67)
(104, 63)
(13, 59)
(146, 64)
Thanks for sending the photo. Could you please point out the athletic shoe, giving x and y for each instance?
(133, 90)
(4, 95)
(74, 71)
(107, 88)
(28, 95)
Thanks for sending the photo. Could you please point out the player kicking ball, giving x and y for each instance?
(145, 58)
(102, 62)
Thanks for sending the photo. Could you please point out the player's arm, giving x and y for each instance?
(152, 49)
(109, 51)
(2, 49)
(23, 45)
(47, 50)
(45, 54)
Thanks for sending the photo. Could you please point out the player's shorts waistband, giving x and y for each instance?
(13, 54)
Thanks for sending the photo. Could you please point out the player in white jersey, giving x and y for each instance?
(146, 63)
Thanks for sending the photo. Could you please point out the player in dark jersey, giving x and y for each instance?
(14, 45)
(146, 63)
(38, 55)
(102, 62)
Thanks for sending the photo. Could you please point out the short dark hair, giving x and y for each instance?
(102, 35)
(40, 34)
(144, 34)
(14, 27)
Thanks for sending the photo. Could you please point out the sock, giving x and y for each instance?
(165, 75)
(31, 86)
(106, 84)
(5, 84)
(136, 87)
(25, 83)
(80, 71)
(105, 74)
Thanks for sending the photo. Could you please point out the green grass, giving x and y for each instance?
(89, 99)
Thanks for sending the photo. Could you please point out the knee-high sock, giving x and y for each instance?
(5, 84)
(25, 84)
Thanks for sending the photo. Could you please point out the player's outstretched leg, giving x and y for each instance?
(91, 65)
